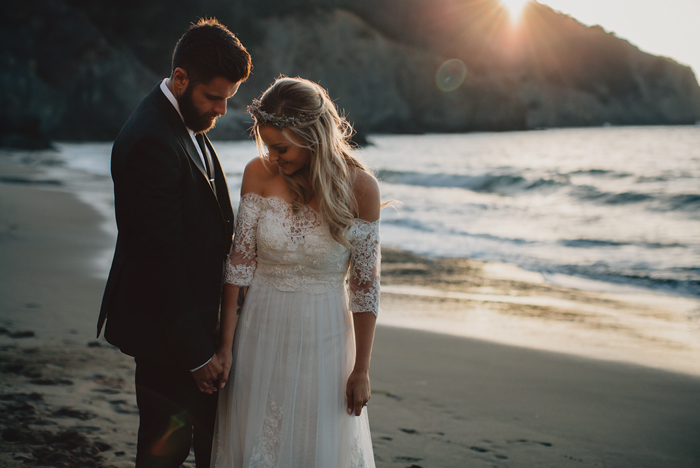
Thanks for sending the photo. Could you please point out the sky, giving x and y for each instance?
(668, 27)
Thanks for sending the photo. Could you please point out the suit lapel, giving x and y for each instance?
(222, 195)
(180, 130)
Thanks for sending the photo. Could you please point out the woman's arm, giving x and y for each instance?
(229, 320)
(364, 286)
(241, 263)
(358, 390)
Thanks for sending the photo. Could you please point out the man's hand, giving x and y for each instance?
(208, 375)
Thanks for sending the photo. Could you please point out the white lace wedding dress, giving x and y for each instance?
(294, 346)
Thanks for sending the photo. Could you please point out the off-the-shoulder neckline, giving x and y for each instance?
(289, 204)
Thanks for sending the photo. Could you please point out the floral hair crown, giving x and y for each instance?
(278, 121)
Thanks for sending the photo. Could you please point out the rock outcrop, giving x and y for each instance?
(60, 77)
(74, 69)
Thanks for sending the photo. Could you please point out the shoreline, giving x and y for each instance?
(505, 304)
(479, 299)
(438, 400)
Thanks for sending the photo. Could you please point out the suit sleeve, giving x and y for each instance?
(154, 173)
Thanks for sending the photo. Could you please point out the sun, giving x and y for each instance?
(515, 7)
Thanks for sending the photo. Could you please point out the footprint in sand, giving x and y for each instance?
(22, 334)
(476, 448)
(108, 386)
(407, 459)
(51, 382)
(68, 412)
(19, 367)
(107, 391)
(22, 397)
(123, 407)
(387, 394)
(87, 429)
(525, 441)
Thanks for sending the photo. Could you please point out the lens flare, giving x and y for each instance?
(163, 445)
(451, 75)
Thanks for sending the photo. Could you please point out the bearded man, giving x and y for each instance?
(175, 220)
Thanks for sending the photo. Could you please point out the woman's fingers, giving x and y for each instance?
(224, 376)
(349, 399)
(356, 399)
(359, 403)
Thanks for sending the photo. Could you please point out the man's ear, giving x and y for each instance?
(180, 81)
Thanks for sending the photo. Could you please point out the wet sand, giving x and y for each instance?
(67, 399)
(506, 304)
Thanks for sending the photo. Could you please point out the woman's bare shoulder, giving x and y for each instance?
(366, 190)
(257, 176)
(364, 181)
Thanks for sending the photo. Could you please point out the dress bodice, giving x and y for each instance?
(294, 251)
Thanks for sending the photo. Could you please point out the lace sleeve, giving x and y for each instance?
(364, 268)
(241, 261)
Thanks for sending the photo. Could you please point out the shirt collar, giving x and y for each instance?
(173, 101)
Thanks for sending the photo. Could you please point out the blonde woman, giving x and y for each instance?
(308, 221)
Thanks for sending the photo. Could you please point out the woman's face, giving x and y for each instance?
(288, 155)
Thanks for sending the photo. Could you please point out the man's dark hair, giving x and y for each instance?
(208, 50)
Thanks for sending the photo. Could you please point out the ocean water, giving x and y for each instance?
(610, 206)
(617, 205)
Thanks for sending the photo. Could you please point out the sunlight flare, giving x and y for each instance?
(515, 7)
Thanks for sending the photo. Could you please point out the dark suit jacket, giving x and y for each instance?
(164, 288)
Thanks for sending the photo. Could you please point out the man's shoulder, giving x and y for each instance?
(148, 115)
(148, 122)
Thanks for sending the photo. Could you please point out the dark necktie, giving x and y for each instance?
(207, 163)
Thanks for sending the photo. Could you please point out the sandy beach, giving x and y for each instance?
(474, 365)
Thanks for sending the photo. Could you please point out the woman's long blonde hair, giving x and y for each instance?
(304, 109)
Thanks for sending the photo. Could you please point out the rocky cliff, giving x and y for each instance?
(74, 69)
(60, 78)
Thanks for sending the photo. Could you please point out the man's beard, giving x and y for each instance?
(195, 121)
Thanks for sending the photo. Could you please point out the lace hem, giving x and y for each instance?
(240, 266)
(357, 454)
(365, 301)
(239, 275)
(266, 452)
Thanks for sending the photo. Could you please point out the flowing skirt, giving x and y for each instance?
(284, 404)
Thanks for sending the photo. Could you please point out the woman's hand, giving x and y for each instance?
(225, 355)
(357, 391)
(229, 321)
